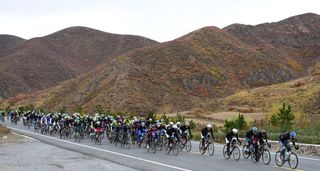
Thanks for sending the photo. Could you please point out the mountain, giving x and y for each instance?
(196, 70)
(303, 94)
(42, 62)
(296, 39)
(8, 41)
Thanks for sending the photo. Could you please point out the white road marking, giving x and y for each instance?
(107, 151)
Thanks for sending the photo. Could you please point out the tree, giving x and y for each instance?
(79, 109)
(63, 109)
(99, 109)
(228, 125)
(151, 115)
(240, 122)
(286, 117)
(165, 118)
(274, 120)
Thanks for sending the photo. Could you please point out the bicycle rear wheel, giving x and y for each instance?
(266, 156)
(201, 148)
(279, 159)
(255, 157)
(245, 152)
(293, 160)
(236, 153)
(225, 153)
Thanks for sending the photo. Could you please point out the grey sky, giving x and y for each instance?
(161, 20)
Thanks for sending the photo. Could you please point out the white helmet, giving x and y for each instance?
(178, 123)
(209, 126)
(174, 126)
(187, 123)
(171, 123)
(235, 131)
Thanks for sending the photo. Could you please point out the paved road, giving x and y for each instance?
(17, 156)
(138, 158)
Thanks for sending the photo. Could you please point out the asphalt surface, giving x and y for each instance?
(140, 159)
(33, 155)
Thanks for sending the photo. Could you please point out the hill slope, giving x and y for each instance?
(195, 70)
(8, 41)
(43, 62)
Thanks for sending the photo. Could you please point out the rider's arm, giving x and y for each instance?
(190, 132)
(211, 132)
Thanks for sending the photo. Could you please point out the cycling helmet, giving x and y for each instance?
(187, 124)
(234, 131)
(209, 126)
(255, 130)
(293, 135)
(98, 122)
(263, 131)
(158, 124)
(171, 123)
(143, 124)
(178, 123)
(174, 126)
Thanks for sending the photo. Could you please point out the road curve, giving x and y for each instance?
(140, 159)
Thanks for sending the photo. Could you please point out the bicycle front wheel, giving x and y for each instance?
(236, 153)
(210, 149)
(293, 160)
(188, 146)
(176, 149)
(266, 156)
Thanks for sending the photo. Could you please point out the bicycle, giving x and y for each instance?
(185, 142)
(290, 157)
(125, 141)
(152, 144)
(208, 146)
(173, 146)
(263, 153)
(233, 150)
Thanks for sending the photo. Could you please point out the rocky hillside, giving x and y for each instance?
(196, 70)
(26, 66)
(303, 94)
(8, 41)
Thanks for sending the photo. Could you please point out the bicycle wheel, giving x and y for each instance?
(255, 157)
(188, 146)
(201, 148)
(225, 153)
(236, 153)
(279, 159)
(175, 149)
(159, 145)
(245, 152)
(293, 160)
(210, 148)
(154, 146)
(266, 156)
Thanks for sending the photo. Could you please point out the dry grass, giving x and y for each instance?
(4, 131)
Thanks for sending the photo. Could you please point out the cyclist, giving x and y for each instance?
(141, 130)
(250, 135)
(185, 130)
(229, 137)
(205, 132)
(172, 132)
(262, 135)
(284, 142)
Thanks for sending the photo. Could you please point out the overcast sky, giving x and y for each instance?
(161, 20)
